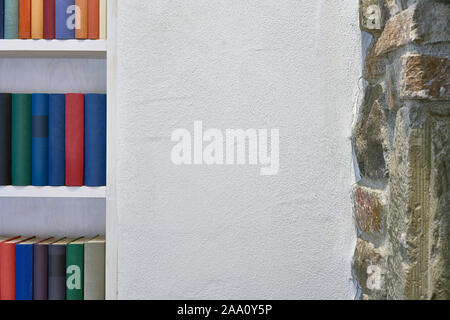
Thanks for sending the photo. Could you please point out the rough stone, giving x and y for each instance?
(369, 209)
(374, 66)
(369, 16)
(424, 23)
(424, 77)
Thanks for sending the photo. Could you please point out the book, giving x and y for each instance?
(93, 19)
(81, 18)
(57, 142)
(2, 17)
(95, 140)
(37, 19)
(11, 19)
(74, 139)
(40, 269)
(75, 270)
(49, 19)
(3, 239)
(94, 269)
(24, 19)
(24, 269)
(57, 269)
(8, 268)
(21, 140)
(39, 147)
(65, 19)
(5, 139)
(103, 19)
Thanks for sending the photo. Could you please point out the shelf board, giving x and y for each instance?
(52, 192)
(19, 48)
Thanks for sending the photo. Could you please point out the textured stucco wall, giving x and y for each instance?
(227, 232)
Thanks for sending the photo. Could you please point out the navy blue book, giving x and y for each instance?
(95, 140)
(2, 18)
(39, 141)
(65, 19)
(24, 270)
(57, 140)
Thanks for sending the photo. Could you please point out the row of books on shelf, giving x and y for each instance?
(53, 139)
(34, 268)
(53, 19)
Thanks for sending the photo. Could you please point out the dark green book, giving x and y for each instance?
(21, 140)
(75, 270)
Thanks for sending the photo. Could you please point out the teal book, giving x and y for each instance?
(11, 20)
(75, 270)
(21, 140)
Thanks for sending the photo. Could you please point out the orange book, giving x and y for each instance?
(81, 18)
(93, 19)
(37, 19)
(24, 19)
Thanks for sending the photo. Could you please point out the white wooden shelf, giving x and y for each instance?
(53, 48)
(52, 192)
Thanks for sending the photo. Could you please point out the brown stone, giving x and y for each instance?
(369, 209)
(425, 77)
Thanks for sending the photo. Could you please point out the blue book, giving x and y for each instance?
(24, 270)
(2, 16)
(95, 140)
(65, 19)
(39, 139)
(11, 19)
(57, 140)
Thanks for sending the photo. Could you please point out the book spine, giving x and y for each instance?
(93, 19)
(2, 17)
(57, 143)
(7, 271)
(74, 139)
(81, 18)
(94, 271)
(95, 140)
(39, 168)
(56, 272)
(24, 19)
(75, 272)
(40, 272)
(37, 19)
(21, 140)
(103, 13)
(24, 272)
(5, 139)
(49, 19)
(11, 24)
(65, 19)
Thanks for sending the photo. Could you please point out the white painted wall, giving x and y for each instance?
(227, 232)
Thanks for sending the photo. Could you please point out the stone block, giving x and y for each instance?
(369, 16)
(369, 209)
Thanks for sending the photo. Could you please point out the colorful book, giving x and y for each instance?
(103, 19)
(57, 142)
(24, 269)
(81, 18)
(74, 139)
(49, 19)
(65, 19)
(24, 19)
(95, 140)
(5, 139)
(93, 19)
(11, 20)
(57, 269)
(37, 19)
(40, 269)
(75, 270)
(21, 140)
(8, 268)
(94, 269)
(39, 170)
(2, 17)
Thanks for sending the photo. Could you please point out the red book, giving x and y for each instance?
(74, 139)
(8, 268)
(24, 19)
(49, 19)
(93, 19)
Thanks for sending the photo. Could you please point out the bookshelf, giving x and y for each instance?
(52, 192)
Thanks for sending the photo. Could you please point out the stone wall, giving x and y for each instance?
(401, 139)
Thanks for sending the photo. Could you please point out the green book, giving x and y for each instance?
(75, 270)
(11, 26)
(21, 140)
